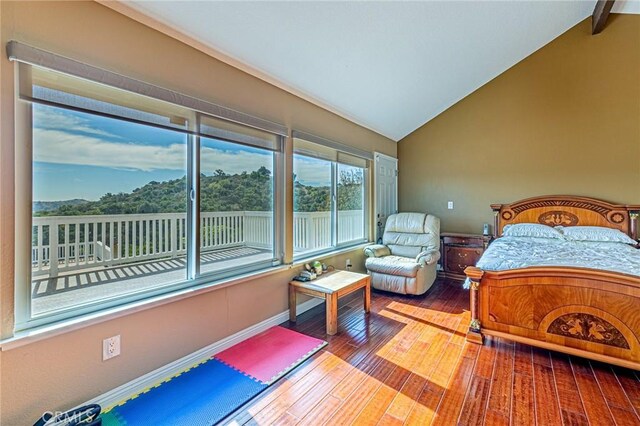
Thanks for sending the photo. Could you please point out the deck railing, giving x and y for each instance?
(67, 243)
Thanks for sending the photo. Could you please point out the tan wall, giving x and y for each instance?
(65, 370)
(565, 120)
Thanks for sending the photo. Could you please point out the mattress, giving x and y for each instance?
(507, 253)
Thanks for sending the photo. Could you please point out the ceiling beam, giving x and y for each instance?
(600, 15)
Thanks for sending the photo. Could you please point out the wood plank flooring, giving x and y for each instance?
(408, 363)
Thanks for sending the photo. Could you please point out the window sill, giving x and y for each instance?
(35, 334)
(324, 254)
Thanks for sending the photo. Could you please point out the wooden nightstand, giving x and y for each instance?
(459, 251)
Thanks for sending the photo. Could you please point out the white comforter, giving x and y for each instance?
(521, 252)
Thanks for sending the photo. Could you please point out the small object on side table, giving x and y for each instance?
(459, 251)
(317, 267)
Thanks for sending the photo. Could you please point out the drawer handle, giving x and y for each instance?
(462, 254)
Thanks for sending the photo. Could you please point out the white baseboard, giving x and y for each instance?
(137, 385)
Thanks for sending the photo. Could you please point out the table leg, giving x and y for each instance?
(367, 298)
(292, 303)
(332, 313)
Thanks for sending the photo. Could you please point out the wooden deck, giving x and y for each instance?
(408, 363)
(95, 283)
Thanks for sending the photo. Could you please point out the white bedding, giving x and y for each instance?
(520, 252)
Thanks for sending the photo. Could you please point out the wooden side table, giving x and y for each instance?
(330, 287)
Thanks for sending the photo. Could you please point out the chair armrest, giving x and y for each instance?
(377, 250)
(428, 257)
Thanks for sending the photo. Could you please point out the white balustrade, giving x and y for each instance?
(258, 229)
(67, 243)
(312, 230)
(350, 225)
(221, 229)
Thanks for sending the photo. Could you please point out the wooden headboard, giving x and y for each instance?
(567, 210)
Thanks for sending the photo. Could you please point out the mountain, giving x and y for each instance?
(45, 206)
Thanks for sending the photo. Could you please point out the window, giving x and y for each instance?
(329, 197)
(137, 191)
(236, 205)
(351, 211)
(312, 195)
(134, 197)
(109, 208)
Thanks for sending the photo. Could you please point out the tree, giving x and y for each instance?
(219, 192)
(350, 189)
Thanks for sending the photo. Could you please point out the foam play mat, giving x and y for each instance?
(208, 392)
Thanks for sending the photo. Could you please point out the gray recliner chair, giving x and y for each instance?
(406, 261)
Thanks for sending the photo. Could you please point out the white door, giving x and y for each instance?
(386, 192)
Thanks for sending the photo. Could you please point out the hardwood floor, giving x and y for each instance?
(408, 363)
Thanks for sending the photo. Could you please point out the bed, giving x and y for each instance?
(581, 299)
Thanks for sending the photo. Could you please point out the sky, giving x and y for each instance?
(79, 155)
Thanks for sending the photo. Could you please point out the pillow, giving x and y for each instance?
(595, 233)
(531, 230)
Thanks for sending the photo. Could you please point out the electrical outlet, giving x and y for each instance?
(110, 347)
(450, 205)
(348, 264)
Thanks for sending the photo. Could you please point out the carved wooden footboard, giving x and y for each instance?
(586, 312)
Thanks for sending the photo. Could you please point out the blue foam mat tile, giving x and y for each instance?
(203, 395)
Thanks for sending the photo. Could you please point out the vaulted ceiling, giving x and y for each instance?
(389, 66)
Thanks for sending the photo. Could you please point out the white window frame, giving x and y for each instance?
(23, 208)
(334, 215)
(365, 208)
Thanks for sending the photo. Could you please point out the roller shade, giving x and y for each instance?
(302, 139)
(352, 160)
(310, 149)
(25, 54)
(62, 90)
(226, 130)
(53, 88)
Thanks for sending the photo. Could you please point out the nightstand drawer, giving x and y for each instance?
(463, 241)
(458, 258)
